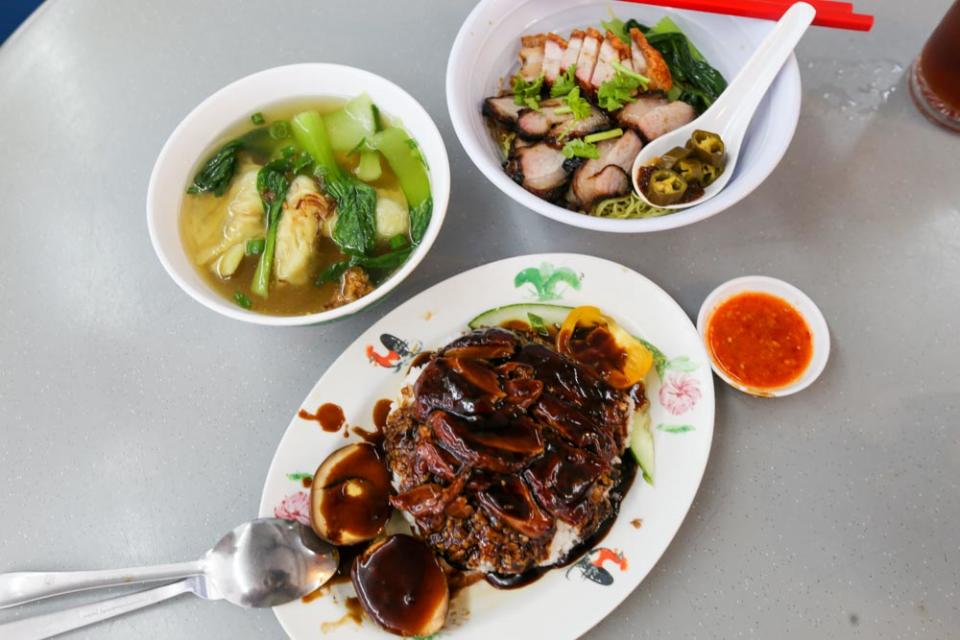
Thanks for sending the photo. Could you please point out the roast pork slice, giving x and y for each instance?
(547, 123)
(572, 52)
(665, 119)
(531, 56)
(502, 109)
(612, 50)
(541, 169)
(587, 59)
(609, 175)
(654, 66)
(553, 49)
(631, 114)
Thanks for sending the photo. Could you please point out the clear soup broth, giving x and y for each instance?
(207, 225)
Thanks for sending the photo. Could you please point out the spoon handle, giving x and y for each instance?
(738, 103)
(52, 624)
(26, 586)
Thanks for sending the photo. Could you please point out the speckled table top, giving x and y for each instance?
(136, 426)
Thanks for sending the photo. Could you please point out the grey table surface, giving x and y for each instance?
(136, 426)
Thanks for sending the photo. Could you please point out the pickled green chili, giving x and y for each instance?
(708, 147)
(666, 187)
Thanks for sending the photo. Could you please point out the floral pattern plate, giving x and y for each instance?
(566, 602)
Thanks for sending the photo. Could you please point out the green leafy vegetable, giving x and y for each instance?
(621, 88)
(254, 246)
(618, 27)
(564, 83)
(348, 126)
(695, 81)
(383, 263)
(257, 118)
(272, 185)
(527, 93)
(407, 163)
(580, 149)
(355, 230)
(241, 299)
(217, 171)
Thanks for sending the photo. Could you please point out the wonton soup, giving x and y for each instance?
(306, 207)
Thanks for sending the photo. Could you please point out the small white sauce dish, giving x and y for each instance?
(192, 139)
(799, 301)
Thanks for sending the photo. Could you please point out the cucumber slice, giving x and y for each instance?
(348, 126)
(641, 444)
(551, 314)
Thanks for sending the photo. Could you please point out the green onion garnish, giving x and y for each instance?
(242, 300)
(603, 135)
(257, 118)
(279, 130)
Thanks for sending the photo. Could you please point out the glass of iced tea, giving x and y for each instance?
(935, 76)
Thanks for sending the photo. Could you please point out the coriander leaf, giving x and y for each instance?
(620, 89)
(564, 83)
(580, 149)
(527, 93)
(579, 107)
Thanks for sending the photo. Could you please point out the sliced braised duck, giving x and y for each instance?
(541, 169)
(609, 175)
(511, 501)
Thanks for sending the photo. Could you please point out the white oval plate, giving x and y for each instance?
(565, 603)
(485, 52)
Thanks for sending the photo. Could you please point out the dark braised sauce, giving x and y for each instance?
(329, 416)
(628, 471)
(529, 437)
(400, 584)
(355, 495)
(380, 412)
(374, 437)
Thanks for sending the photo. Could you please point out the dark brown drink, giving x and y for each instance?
(935, 77)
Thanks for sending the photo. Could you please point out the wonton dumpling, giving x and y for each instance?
(244, 215)
(298, 231)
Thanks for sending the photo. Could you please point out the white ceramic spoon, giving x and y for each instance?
(730, 115)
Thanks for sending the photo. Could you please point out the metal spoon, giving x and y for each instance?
(263, 563)
(730, 115)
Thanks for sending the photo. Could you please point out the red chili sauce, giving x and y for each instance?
(759, 340)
